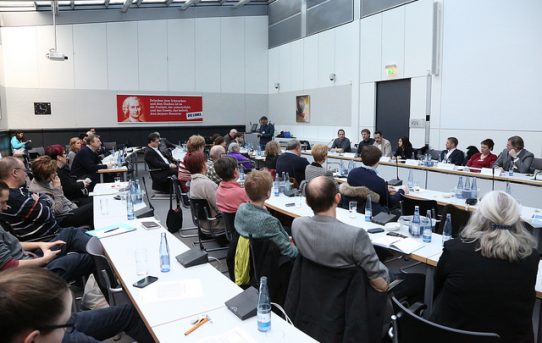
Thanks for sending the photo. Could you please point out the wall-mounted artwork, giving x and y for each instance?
(303, 109)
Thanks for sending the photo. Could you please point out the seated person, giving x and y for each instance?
(484, 158)
(485, 280)
(64, 255)
(18, 144)
(217, 151)
(452, 154)
(203, 188)
(47, 182)
(36, 306)
(366, 176)
(515, 156)
(325, 240)
(341, 143)
(252, 218)
(291, 162)
(404, 149)
(229, 195)
(75, 190)
(161, 166)
(28, 216)
(315, 169)
(272, 152)
(195, 143)
(234, 151)
(383, 144)
(87, 162)
(75, 145)
(365, 140)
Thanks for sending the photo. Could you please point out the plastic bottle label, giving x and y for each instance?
(264, 321)
(368, 216)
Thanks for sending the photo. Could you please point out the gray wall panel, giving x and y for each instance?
(282, 9)
(286, 31)
(329, 14)
(370, 7)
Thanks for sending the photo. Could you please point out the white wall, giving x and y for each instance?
(487, 85)
(223, 59)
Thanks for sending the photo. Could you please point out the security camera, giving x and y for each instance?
(332, 77)
(277, 85)
(54, 55)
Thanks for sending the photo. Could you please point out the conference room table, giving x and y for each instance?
(171, 304)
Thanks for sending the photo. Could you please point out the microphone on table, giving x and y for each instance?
(396, 181)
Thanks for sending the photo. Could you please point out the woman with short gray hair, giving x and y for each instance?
(485, 280)
(234, 151)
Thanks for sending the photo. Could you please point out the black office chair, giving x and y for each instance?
(408, 205)
(182, 198)
(105, 278)
(201, 215)
(537, 164)
(460, 218)
(408, 327)
(233, 237)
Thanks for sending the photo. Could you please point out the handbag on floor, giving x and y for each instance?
(174, 220)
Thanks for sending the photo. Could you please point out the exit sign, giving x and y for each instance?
(391, 70)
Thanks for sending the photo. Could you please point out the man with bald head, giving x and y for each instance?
(217, 151)
(327, 241)
(230, 137)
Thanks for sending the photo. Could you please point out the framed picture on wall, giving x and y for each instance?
(303, 109)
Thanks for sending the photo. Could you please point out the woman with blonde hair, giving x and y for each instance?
(485, 280)
(272, 152)
(75, 146)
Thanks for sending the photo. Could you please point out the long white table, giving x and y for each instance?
(170, 304)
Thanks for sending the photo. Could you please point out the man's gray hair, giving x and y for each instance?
(216, 152)
(293, 144)
(234, 147)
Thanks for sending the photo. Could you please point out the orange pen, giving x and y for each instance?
(199, 323)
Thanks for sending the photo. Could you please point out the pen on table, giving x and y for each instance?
(197, 325)
(111, 230)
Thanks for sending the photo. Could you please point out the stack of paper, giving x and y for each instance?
(405, 245)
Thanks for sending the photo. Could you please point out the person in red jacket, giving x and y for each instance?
(484, 158)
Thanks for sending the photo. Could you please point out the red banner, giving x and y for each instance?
(159, 108)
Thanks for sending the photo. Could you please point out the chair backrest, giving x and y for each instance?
(150, 211)
(334, 304)
(104, 274)
(229, 223)
(460, 219)
(408, 205)
(435, 154)
(411, 328)
(537, 164)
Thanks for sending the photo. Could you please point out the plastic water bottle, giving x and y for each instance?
(286, 182)
(447, 232)
(281, 183)
(511, 169)
(164, 254)
(410, 180)
(427, 228)
(466, 188)
(259, 151)
(241, 174)
(368, 209)
(474, 189)
(341, 168)
(351, 166)
(459, 188)
(139, 194)
(415, 225)
(508, 188)
(130, 206)
(264, 307)
(276, 190)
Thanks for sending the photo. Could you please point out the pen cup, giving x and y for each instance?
(141, 262)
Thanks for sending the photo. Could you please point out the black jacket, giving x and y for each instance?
(72, 188)
(334, 305)
(160, 170)
(457, 157)
(86, 164)
(293, 165)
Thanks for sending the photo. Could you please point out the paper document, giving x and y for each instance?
(111, 230)
(172, 290)
(405, 245)
(235, 335)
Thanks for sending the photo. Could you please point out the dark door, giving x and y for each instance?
(393, 109)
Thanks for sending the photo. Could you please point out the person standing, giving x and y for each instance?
(341, 143)
(266, 131)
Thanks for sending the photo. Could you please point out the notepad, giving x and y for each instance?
(111, 230)
(405, 245)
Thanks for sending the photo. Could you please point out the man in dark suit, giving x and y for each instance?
(291, 161)
(366, 176)
(87, 162)
(452, 154)
(161, 167)
(515, 156)
(366, 140)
